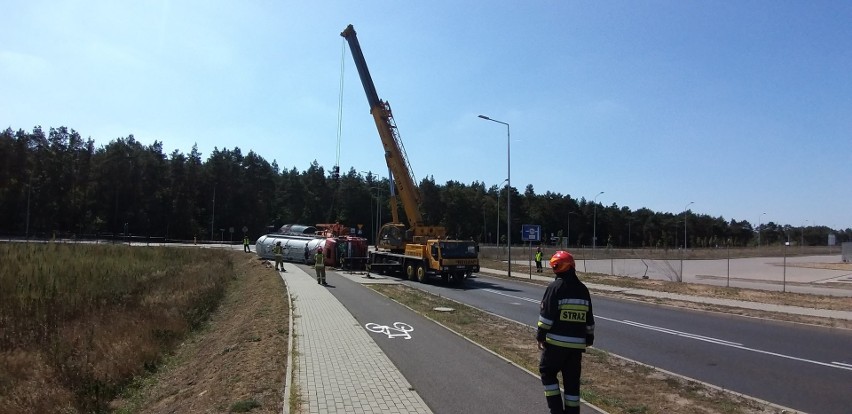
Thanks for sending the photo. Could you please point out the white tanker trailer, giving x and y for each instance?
(297, 248)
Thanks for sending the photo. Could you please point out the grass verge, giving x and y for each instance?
(79, 321)
(236, 363)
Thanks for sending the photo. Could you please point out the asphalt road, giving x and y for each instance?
(800, 366)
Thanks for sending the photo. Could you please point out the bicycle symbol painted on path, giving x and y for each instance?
(399, 329)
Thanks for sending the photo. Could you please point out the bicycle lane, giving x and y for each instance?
(450, 374)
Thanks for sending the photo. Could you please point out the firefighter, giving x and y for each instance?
(538, 256)
(246, 244)
(279, 256)
(566, 326)
(319, 265)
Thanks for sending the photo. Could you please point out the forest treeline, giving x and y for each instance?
(57, 183)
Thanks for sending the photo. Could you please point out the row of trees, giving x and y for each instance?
(58, 182)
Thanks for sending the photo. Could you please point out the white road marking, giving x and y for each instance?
(839, 365)
(401, 328)
(677, 333)
(497, 292)
(723, 343)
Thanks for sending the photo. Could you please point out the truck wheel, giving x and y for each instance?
(458, 278)
(445, 277)
(409, 271)
(421, 274)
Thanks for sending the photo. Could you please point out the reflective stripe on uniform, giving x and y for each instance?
(590, 329)
(572, 400)
(551, 389)
(566, 341)
(544, 323)
(573, 302)
(574, 306)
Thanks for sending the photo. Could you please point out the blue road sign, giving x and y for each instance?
(531, 232)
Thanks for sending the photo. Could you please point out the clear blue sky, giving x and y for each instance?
(744, 108)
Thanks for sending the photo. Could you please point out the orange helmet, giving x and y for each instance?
(561, 261)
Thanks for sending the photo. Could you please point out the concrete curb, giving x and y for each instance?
(288, 381)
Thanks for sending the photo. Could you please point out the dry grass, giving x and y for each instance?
(615, 385)
(237, 363)
(77, 322)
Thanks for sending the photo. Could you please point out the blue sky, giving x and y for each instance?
(744, 108)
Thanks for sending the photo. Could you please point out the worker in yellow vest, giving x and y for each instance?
(278, 250)
(319, 265)
(246, 247)
(538, 257)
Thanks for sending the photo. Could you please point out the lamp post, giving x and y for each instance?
(498, 214)
(595, 224)
(568, 232)
(759, 225)
(629, 231)
(802, 242)
(378, 217)
(685, 212)
(29, 192)
(509, 184)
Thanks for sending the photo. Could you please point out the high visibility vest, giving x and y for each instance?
(538, 256)
(319, 262)
(278, 250)
(245, 241)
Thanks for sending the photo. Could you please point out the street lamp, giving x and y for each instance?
(759, 225)
(568, 235)
(378, 217)
(802, 242)
(685, 211)
(509, 184)
(498, 213)
(595, 223)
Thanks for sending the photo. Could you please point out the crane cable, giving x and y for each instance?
(339, 129)
(340, 103)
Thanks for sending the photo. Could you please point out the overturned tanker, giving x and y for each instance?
(345, 252)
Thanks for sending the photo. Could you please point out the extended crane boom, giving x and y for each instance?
(419, 250)
(394, 154)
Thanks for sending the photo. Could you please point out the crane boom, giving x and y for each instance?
(419, 250)
(395, 156)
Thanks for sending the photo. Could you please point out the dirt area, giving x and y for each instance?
(827, 266)
(236, 364)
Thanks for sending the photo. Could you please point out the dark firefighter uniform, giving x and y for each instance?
(566, 326)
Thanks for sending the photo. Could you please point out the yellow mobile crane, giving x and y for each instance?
(418, 250)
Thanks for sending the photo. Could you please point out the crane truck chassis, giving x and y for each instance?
(456, 259)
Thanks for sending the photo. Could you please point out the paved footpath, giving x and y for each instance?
(339, 368)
